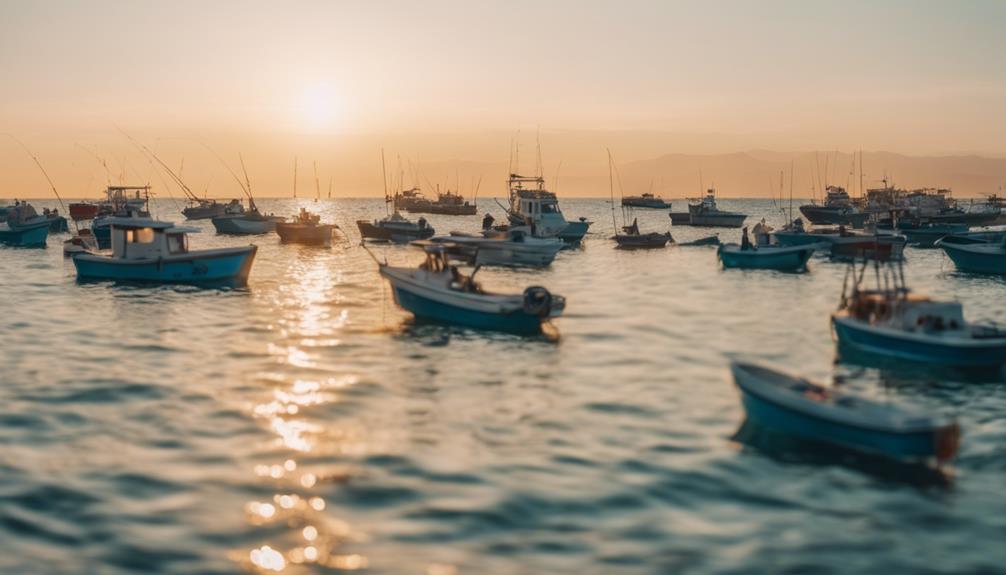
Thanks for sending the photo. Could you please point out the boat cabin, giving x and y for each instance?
(142, 238)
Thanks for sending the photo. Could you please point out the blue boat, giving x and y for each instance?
(898, 324)
(796, 406)
(436, 291)
(145, 250)
(31, 235)
(973, 255)
(792, 258)
(926, 236)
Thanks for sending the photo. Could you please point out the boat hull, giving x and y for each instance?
(792, 239)
(431, 310)
(821, 215)
(320, 235)
(883, 248)
(768, 258)
(208, 266)
(83, 211)
(771, 415)
(204, 212)
(976, 257)
(642, 242)
(239, 225)
(643, 203)
(918, 348)
(371, 231)
(31, 236)
(574, 231)
(717, 220)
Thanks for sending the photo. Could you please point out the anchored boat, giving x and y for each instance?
(891, 321)
(437, 291)
(646, 200)
(793, 405)
(305, 228)
(148, 250)
(631, 238)
(538, 208)
(514, 247)
(705, 213)
(395, 228)
(793, 258)
(838, 209)
(973, 255)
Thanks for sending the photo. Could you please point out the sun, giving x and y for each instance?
(318, 107)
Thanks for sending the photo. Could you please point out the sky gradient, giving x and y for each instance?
(344, 78)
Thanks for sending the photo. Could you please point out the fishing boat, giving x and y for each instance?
(412, 201)
(850, 245)
(631, 238)
(203, 209)
(705, 213)
(792, 258)
(838, 209)
(437, 291)
(250, 222)
(147, 250)
(24, 227)
(646, 200)
(305, 228)
(451, 204)
(538, 208)
(925, 235)
(891, 321)
(82, 211)
(793, 405)
(81, 242)
(974, 255)
(513, 247)
(395, 228)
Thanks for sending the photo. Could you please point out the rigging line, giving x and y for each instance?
(174, 176)
(611, 192)
(241, 184)
(46, 174)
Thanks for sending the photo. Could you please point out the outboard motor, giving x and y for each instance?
(537, 301)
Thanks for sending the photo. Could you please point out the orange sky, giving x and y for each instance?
(448, 85)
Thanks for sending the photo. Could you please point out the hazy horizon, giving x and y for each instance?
(449, 85)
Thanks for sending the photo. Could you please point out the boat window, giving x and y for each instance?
(549, 208)
(177, 243)
(140, 236)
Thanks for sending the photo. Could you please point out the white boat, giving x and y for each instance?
(538, 208)
(436, 291)
(514, 247)
(705, 213)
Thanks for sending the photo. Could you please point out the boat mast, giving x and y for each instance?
(295, 176)
(330, 187)
(384, 176)
(611, 192)
(317, 183)
(251, 200)
(791, 164)
(47, 178)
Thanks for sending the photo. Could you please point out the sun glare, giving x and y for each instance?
(318, 109)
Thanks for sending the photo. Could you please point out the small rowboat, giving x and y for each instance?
(792, 258)
(788, 404)
(637, 241)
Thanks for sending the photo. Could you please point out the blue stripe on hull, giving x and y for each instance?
(425, 308)
(202, 270)
(26, 238)
(774, 416)
(574, 232)
(934, 353)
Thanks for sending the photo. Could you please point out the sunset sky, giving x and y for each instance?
(454, 81)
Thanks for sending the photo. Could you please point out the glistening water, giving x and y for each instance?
(304, 424)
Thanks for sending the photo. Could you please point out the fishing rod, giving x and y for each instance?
(188, 193)
(48, 179)
(104, 164)
(247, 191)
(611, 192)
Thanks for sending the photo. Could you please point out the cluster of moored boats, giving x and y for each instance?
(124, 243)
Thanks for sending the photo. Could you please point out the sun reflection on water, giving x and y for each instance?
(309, 329)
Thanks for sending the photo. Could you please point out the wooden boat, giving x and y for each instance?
(514, 247)
(706, 241)
(646, 200)
(305, 228)
(81, 211)
(793, 405)
(793, 258)
(896, 323)
(705, 213)
(971, 255)
(146, 250)
(436, 291)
